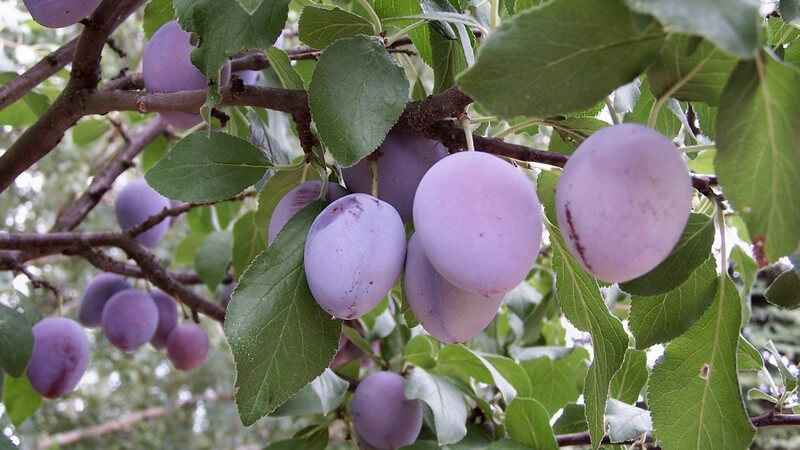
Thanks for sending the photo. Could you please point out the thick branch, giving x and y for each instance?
(17, 87)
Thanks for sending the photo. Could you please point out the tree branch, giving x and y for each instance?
(17, 87)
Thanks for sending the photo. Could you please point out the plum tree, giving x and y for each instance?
(403, 159)
(130, 319)
(479, 222)
(167, 317)
(353, 254)
(167, 67)
(297, 199)
(623, 200)
(382, 415)
(447, 312)
(60, 356)
(135, 203)
(187, 346)
(59, 13)
(95, 296)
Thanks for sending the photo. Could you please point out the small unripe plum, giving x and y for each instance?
(60, 356)
(402, 162)
(135, 203)
(95, 296)
(479, 222)
(187, 346)
(354, 252)
(447, 312)
(167, 67)
(60, 13)
(622, 201)
(130, 319)
(297, 199)
(383, 416)
(167, 317)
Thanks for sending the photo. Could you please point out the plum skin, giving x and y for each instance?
(130, 319)
(622, 201)
(479, 222)
(447, 312)
(135, 203)
(402, 162)
(382, 415)
(298, 198)
(187, 346)
(95, 296)
(353, 254)
(167, 67)
(167, 317)
(60, 356)
(60, 13)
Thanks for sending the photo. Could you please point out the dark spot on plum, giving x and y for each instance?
(574, 235)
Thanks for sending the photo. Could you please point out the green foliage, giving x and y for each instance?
(528, 423)
(445, 401)
(247, 242)
(320, 27)
(564, 76)
(350, 75)
(212, 258)
(785, 290)
(276, 360)
(19, 398)
(156, 14)
(16, 341)
(630, 378)
(280, 62)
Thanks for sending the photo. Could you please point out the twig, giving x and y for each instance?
(17, 87)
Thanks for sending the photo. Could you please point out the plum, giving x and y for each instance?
(130, 319)
(403, 159)
(95, 296)
(167, 67)
(60, 13)
(135, 203)
(167, 317)
(479, 222)
(353, 254)
(60, 356)
(623, 200)
(383, 416)
(187, 346)
(447, 312)
(297, 199)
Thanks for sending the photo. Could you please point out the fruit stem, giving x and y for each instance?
(517, 127)
(722, 247)
(651, 120)
(495, 13)
(373, 16)
(399, 35)
(697, 148)
(467, 125)
(611, 112)
(373, 168)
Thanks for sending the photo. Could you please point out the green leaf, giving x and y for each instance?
(693, 391)
(448, 61)
(280, 338)
(357, 93)
(6, 444)
(660, 318)
(20, 399)
(790, 10)
(317, 440)
(247, 243)
(631, 377)
(626, 422)
(689, 253)
(421, 351)
(26, 110)
(156, 14)
(571, 420)
(16, 341)
(747, 357)
(224, 29)
(212, 258)
(745, 267)
(29, 308)
(419, 36)
(666, 123)
(250, 6)
(552, 381)
(200, 220)
(355, 337)
(789, 380)
(731, 24)
(757, 394)
(686, 71)
(321, 396)
(207, 167)
(458, 360)
(282, 65)
(507, 445)
(528, 422)
(445, 401)
(785, 290)
(320, 27)
(88, 131)
(153, 152)
(758, 161)
(186, 250)
(514, 373)
(572, 131)
(534, 65)
(579, 296)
